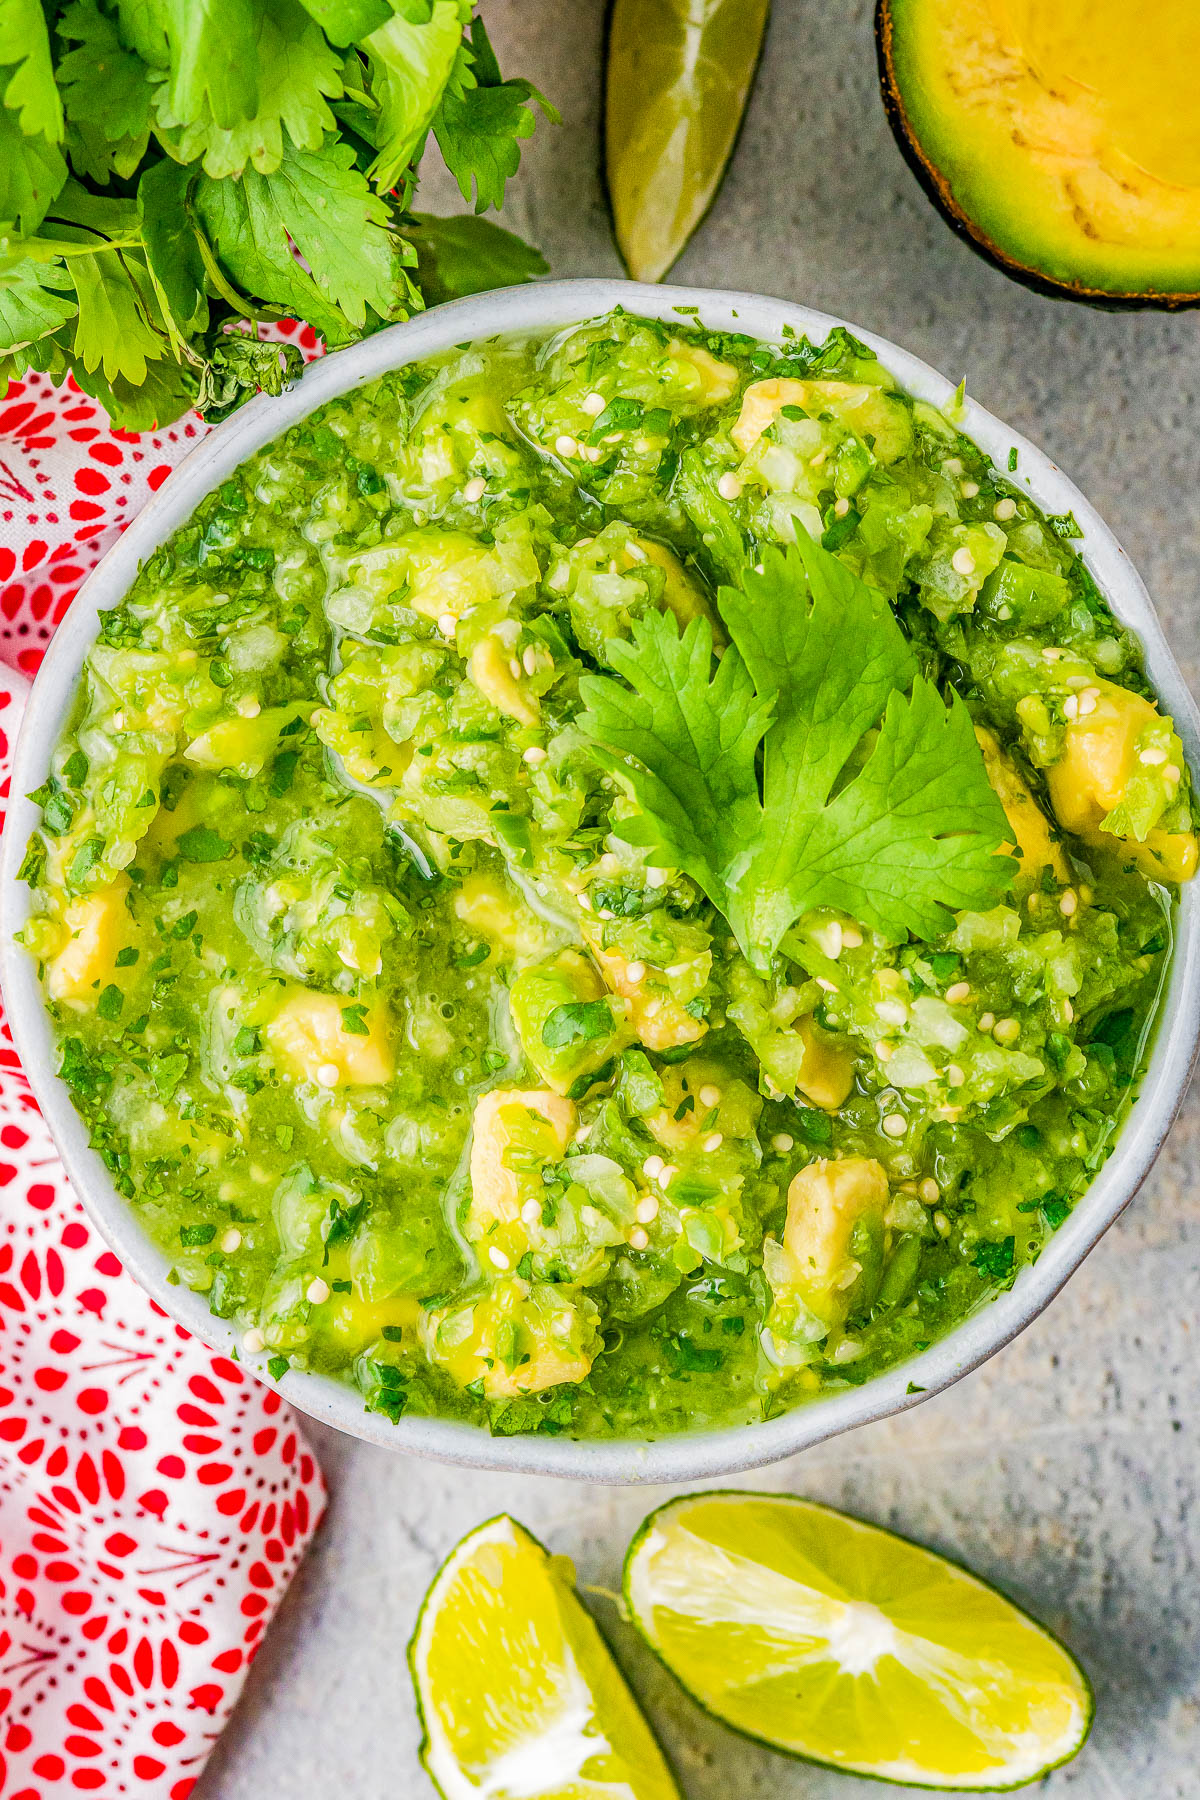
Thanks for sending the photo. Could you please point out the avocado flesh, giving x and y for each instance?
(1061, 136)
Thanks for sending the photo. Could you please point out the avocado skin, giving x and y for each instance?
(938, 190)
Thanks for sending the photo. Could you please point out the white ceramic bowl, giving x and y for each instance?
(686, 1457)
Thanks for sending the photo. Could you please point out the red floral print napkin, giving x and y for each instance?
(155, 1499)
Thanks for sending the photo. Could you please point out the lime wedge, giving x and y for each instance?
(679, 75)
(838, 1642)
(517, 1691)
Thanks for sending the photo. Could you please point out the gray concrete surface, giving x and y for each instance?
(1066, 1470)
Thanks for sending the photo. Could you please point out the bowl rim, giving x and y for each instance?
(688, 1456)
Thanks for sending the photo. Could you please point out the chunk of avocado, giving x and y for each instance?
(1114, 779)
(1058, 140)
(833, 1235)
(567, 1026)
(1034, 845)
(92, 930)
(514, 1133)
(867, 411)
(312, 1038)
(514, 1338)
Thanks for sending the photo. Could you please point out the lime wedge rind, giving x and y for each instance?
(962, 1672)
(549, 1712)
(670, 132)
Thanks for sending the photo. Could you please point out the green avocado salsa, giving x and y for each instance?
(609, 884)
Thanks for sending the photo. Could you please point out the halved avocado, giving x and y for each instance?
(1060, 137)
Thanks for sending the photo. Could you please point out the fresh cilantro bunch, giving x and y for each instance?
(169, 168)
(870, 794)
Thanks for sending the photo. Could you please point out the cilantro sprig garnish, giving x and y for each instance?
(161, 165)
(870, 795)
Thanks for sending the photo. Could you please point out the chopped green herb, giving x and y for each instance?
(168, 1071)
(200, 844)
(109, 1005)
(344, 1221)
(817, 1127)
(578, 1022)
(193, 1237)
(695, 1358)
(85, 860)
(283, 771)
(995, 1261)
(33, 863)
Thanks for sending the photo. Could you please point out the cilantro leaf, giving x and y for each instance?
(33, 863)
(214, 67)
(143, 26)
(689, 740)
(193, 1237)
(120, 327)
(829, 668)
(274, 147)
(30, 91)
(249, 240)
(320, 201)
(32, 172)
(912, 839)
(346, 21)
(889, 849)
(112, 332)
(464, 254)
(106, 93)
(481, 119)
(724, 546)
(83, 1072)
(97, 157)
(899, 830)
(167, 1071)
(170, 244)
(102, 80)
(110, 1003)
(166, 390)
(32, 304)
(298, 72)
(411, 61)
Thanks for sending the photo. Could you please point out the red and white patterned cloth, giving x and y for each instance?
(155, 1500)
